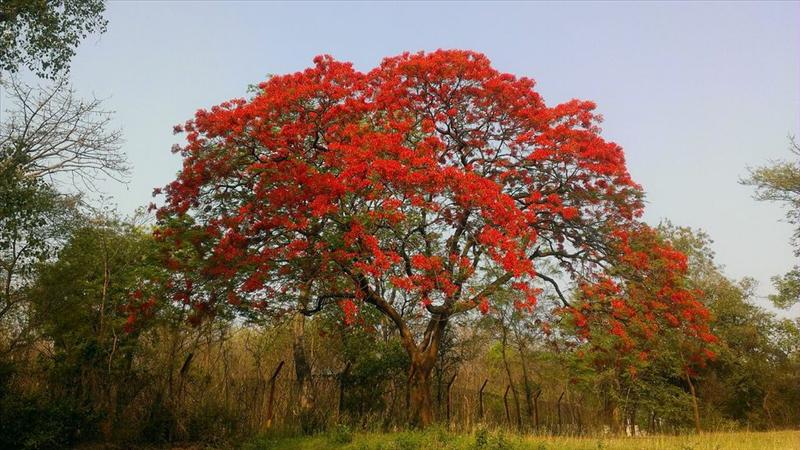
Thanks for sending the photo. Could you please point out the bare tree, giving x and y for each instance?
(51, 133)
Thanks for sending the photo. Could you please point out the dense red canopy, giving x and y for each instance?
(432, 179)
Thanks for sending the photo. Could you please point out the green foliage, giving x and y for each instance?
(33, 421)
(481, 438)
(79, 304)
(79, 299)
(756, 361)
(780, 182)
(498, 440)
(373, 361)
(42, 34)
(34, 219)
(788, 289)
(341, 434)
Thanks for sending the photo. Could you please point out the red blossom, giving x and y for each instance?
(433, 176)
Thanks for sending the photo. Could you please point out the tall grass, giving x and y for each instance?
(437, 438)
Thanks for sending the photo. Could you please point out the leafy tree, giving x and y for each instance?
(80, 305)
(432, 181)
(780, 182)
(42, 34)
(753, 379)
(34, 220)
(642, 354)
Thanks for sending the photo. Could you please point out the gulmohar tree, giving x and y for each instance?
(433, 181)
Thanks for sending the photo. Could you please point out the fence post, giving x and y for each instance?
(449, 386)
(342, 381)
(272, 393)
(505, 404)
(480, 397)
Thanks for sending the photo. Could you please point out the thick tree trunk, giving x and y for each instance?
(305, 396)
(421, 402)
(423, 358)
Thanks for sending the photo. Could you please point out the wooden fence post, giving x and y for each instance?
(480, 397)
(272, 393)
(449, 386)
(505, 403)
(342, 381)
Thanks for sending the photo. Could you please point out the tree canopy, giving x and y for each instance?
(780, 182)
(431, 181)
(42, 35)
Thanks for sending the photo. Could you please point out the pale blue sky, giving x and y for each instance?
(693, 92)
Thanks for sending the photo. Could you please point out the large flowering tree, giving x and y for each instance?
(432, 180)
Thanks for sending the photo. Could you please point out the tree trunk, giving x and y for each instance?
(633, 415)
(694, 403)
(421, 402)
(423, 359)
(653, 422)
(422, 356)
(305, 397)
(526, 384)
(508, 374)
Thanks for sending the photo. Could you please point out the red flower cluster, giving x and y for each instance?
(433, 176)
(646, 296)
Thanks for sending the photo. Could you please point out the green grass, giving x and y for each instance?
(496, 440)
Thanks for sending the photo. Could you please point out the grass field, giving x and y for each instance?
(440, 439)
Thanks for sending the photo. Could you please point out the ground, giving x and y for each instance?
(440, 439)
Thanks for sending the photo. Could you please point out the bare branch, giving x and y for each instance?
(49, 132)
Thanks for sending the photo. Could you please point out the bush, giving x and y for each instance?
(481, 438)
(341, 434)
(31, 422)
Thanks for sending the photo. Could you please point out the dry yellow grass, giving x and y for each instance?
(439, 439)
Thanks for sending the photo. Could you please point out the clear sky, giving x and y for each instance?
(694, 92)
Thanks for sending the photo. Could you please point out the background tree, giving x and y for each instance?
(749, 380)
(80, 305)
(42, 34)
(674, 349)
(780, 182)
(52, 134)
(34, 220)
(433, 180)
